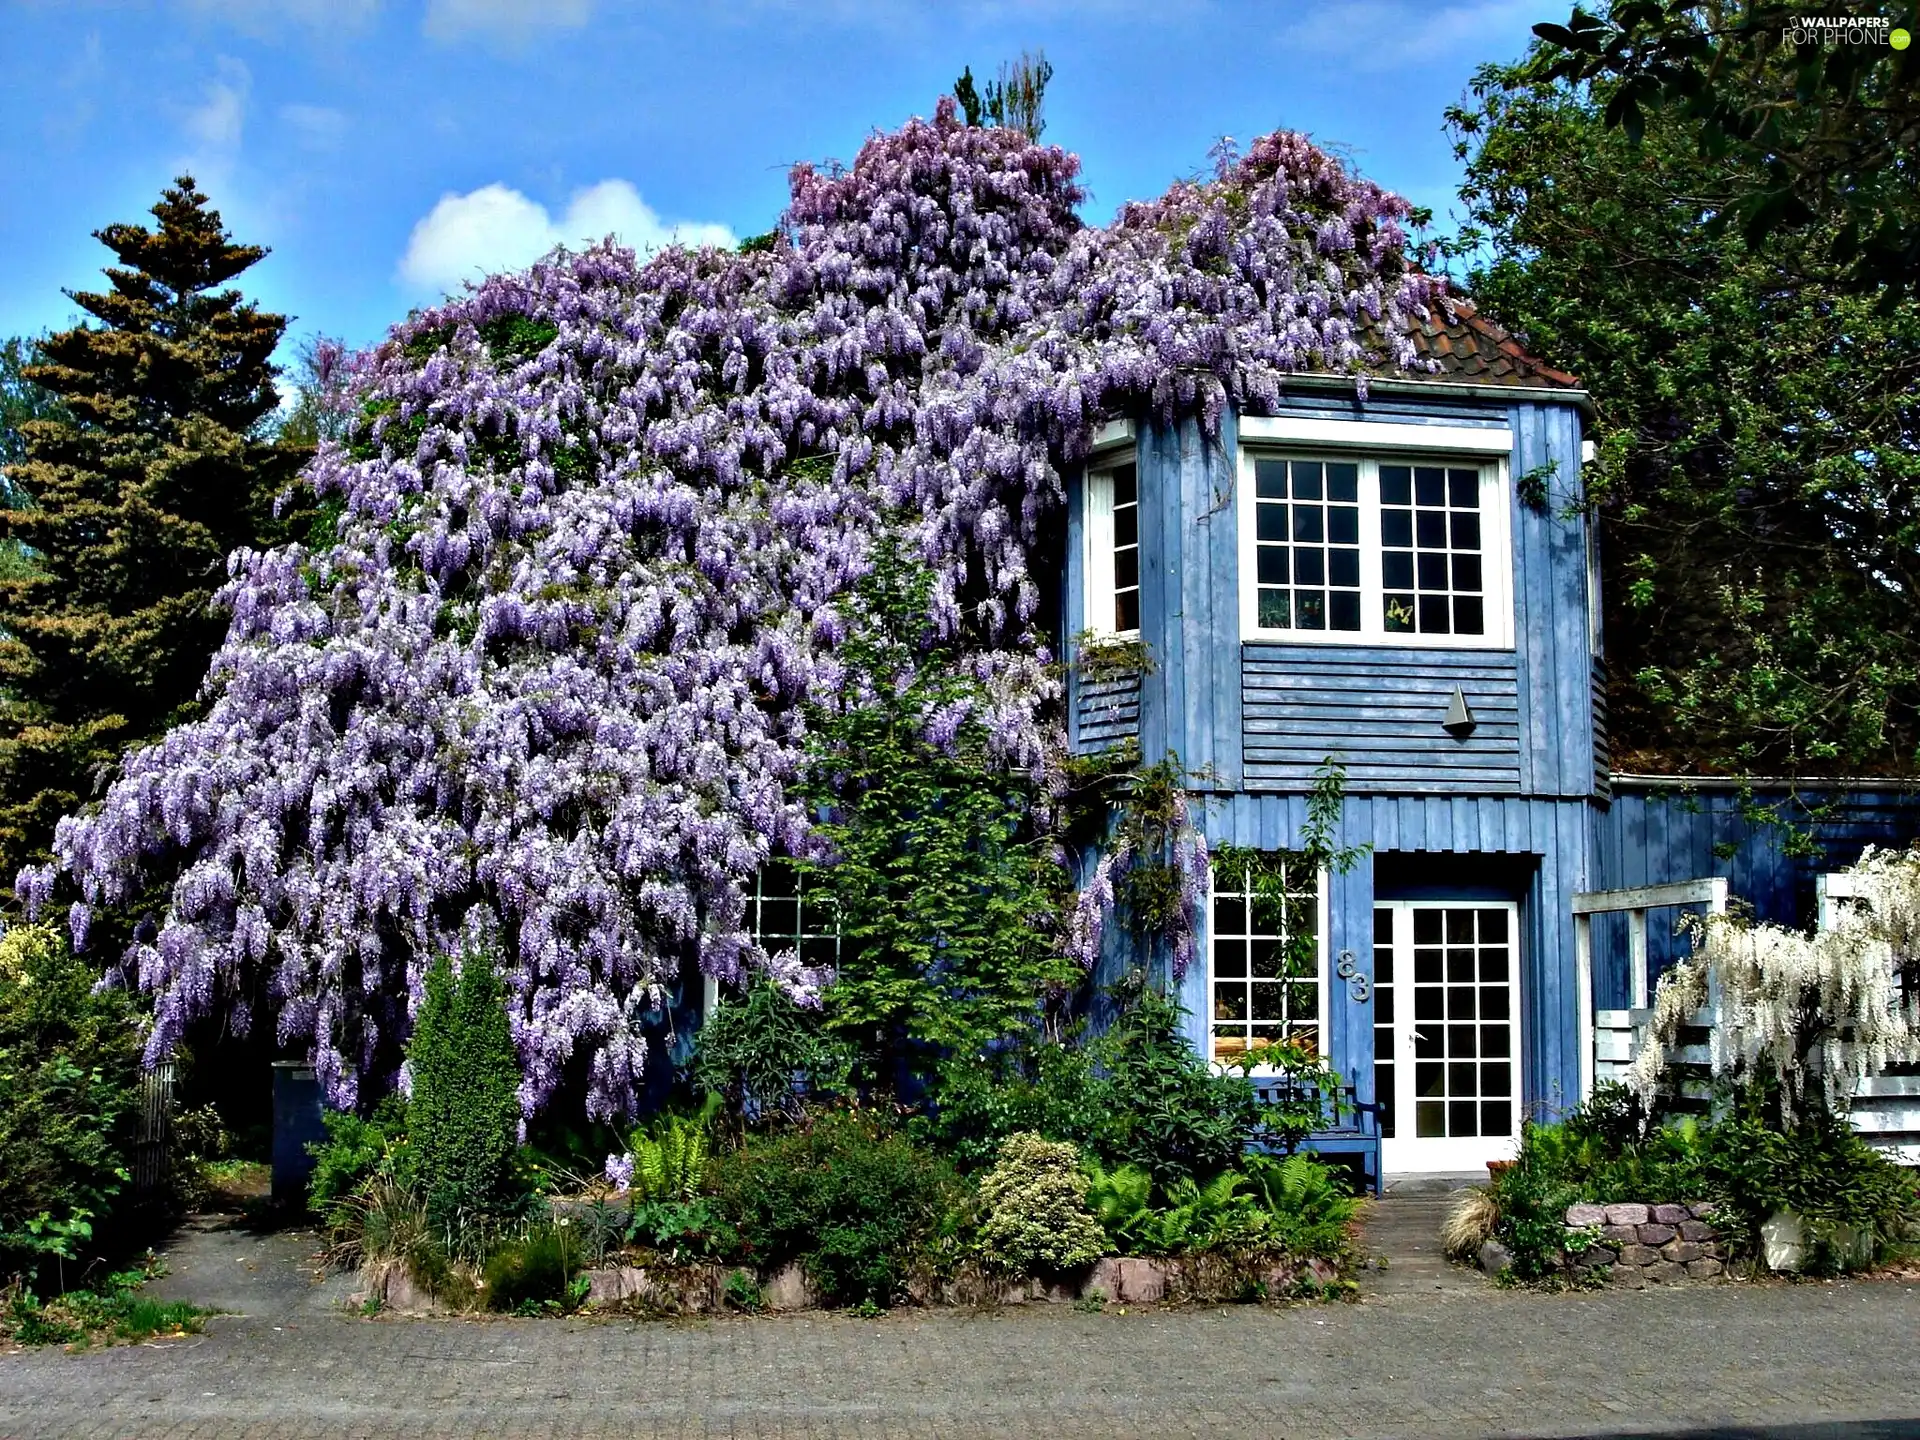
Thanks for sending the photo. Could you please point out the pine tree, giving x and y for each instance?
(130, 499)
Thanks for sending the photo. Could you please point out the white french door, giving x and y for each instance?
(1447, 1032)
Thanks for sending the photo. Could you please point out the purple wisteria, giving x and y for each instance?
(544, 687)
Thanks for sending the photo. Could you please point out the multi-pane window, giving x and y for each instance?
(1308, 532)
(1463, 1036)
(1374, 551)
(784, 914)
(1431, 560)
(1264, 977)
(1126, 549)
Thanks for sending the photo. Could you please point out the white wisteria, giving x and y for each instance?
(1818, 1012)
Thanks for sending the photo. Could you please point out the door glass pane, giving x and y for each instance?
(1383, 993)
(1462, 1028)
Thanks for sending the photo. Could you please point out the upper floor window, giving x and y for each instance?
(1365, 550)
(1113, 549)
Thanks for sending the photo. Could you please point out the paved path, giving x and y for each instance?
(1800, 1362)
(1402, 1228)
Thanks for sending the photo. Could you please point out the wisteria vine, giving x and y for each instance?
(543, 687)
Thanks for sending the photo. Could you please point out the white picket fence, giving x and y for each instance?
(1885, 1108)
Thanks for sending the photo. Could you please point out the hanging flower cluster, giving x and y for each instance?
(1818, 1013)
(542, 682)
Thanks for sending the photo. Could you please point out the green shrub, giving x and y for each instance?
(858, 1206)
(1745, 1159)
(356, 1152)
(1138, 1094)
(756, 1050)
(693, 1229)
(1164, 1108)
(1308, 1203)
(115, 1311)
(1045, 1089)
(464, 1114)
(670, 1158)
(1818, 1168)
(1034, 1216)
(533, 1271)
(69, 1104)
(743, 1293)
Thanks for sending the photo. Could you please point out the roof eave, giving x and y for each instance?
(1453, 389)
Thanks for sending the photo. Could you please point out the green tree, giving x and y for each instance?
(464, 1114)
(320, 410)
(20, 401)
(947, 897)
(1758, 428)
(1821, 120)
(1017, 99)
(130, 495)
(69, 1103)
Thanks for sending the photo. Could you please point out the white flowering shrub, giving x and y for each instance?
(1035, 1208)
(1816, 1012)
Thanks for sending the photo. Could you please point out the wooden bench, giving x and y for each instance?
(1353, 1131)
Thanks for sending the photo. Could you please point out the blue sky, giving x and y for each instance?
(385, 148)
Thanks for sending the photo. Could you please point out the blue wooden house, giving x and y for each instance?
(1406, 584)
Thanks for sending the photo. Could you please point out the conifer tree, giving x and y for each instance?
(130, 499)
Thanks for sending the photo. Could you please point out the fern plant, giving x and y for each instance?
(670, 1158)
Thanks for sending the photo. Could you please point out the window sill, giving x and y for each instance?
(1360, 639)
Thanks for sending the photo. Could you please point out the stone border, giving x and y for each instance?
(700, 1289)
(1643, 1245)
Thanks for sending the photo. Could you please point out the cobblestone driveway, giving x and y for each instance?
(1802, 1361)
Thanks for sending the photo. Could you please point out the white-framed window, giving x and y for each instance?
(1384, 548)
(1113, 546)
(783, 914)
(1266, 957)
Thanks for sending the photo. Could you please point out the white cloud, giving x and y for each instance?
(216, 123)
(497, 228)
(318, 127)
(1378, 35)
(511, 21)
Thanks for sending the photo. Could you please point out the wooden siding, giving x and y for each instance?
(1553, 840)
(1106, 711)
(1378, 712)
(1602, 748)
(1190, 600)
(1656, 833)
(1552, 634)
(1535, 703)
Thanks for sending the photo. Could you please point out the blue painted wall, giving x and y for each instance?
(1255, 720)
(1656, 832)
(1379, 712)
(1536, 851)
(1190, 600)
